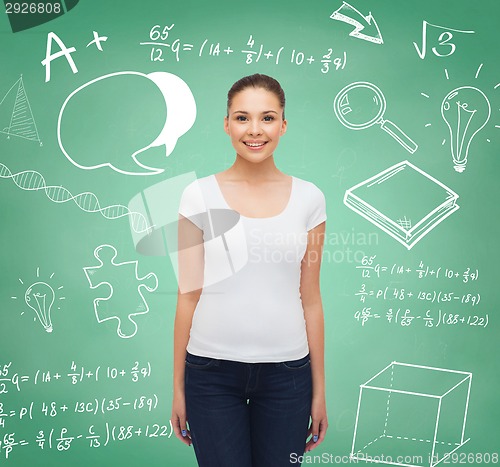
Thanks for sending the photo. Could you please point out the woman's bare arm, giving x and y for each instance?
(190, 276)
(313, 314)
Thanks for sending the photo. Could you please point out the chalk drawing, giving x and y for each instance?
(30, 180)
(366, 27)
(22, 123)
(40, 297)
(120, 298)
(361, 105)
(393, 201)
(447, 48)
(417, 410)
(466, 111)
(180, 117)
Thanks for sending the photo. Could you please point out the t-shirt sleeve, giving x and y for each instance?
(192, 204)
(317, 213)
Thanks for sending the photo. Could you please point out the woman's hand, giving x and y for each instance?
(178, 418)
(319, 423)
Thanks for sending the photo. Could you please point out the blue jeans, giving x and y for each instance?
(247, 414)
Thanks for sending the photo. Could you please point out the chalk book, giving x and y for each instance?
(403, 201)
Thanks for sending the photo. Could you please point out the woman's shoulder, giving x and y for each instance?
(199, 183)
(307, 186)
(198, 192)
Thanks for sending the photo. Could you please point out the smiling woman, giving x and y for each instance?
(249, 347)
(255, 122)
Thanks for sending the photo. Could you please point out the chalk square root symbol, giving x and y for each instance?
(98, 277)
(411, 415)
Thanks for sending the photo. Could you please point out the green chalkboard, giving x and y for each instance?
(108, 109)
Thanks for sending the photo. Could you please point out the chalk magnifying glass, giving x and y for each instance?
(361, 105)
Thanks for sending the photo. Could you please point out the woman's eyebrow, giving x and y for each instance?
(246, 113)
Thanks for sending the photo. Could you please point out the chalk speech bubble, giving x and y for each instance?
(112, 119)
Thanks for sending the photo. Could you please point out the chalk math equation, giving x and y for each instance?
(62, 439)
(76, 374)
(432, 296)
(24, 422)
(429, 318)
(164, 46)
(431, 299)
(54, 408)
(370, 267)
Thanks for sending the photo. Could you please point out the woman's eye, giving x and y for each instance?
(268, 118)
(241, 118)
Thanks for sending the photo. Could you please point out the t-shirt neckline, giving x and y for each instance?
(283, 211)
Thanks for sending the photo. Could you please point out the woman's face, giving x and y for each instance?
(255, 123)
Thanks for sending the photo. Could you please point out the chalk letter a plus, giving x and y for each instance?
(49, 56)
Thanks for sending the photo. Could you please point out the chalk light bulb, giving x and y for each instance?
(466, 111)
(40, 298)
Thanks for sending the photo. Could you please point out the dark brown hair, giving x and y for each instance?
(257, 81)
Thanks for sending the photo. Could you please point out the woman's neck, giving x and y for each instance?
(243, 169)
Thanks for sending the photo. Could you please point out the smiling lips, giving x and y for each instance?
(255, 144)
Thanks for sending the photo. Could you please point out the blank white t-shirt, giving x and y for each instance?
(250, 308)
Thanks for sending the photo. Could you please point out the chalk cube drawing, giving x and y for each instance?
(403, 201)
(411, 415)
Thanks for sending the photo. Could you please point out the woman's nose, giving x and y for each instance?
(254, 128)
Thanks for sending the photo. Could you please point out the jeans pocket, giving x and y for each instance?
(199, 362)
(303, 362)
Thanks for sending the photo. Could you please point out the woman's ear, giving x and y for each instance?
(283, 127)
(226, 124)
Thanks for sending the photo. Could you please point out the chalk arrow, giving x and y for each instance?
(366, 27)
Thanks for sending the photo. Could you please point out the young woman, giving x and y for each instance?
(249, 333)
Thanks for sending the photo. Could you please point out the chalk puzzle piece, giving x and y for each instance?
(113, 280)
